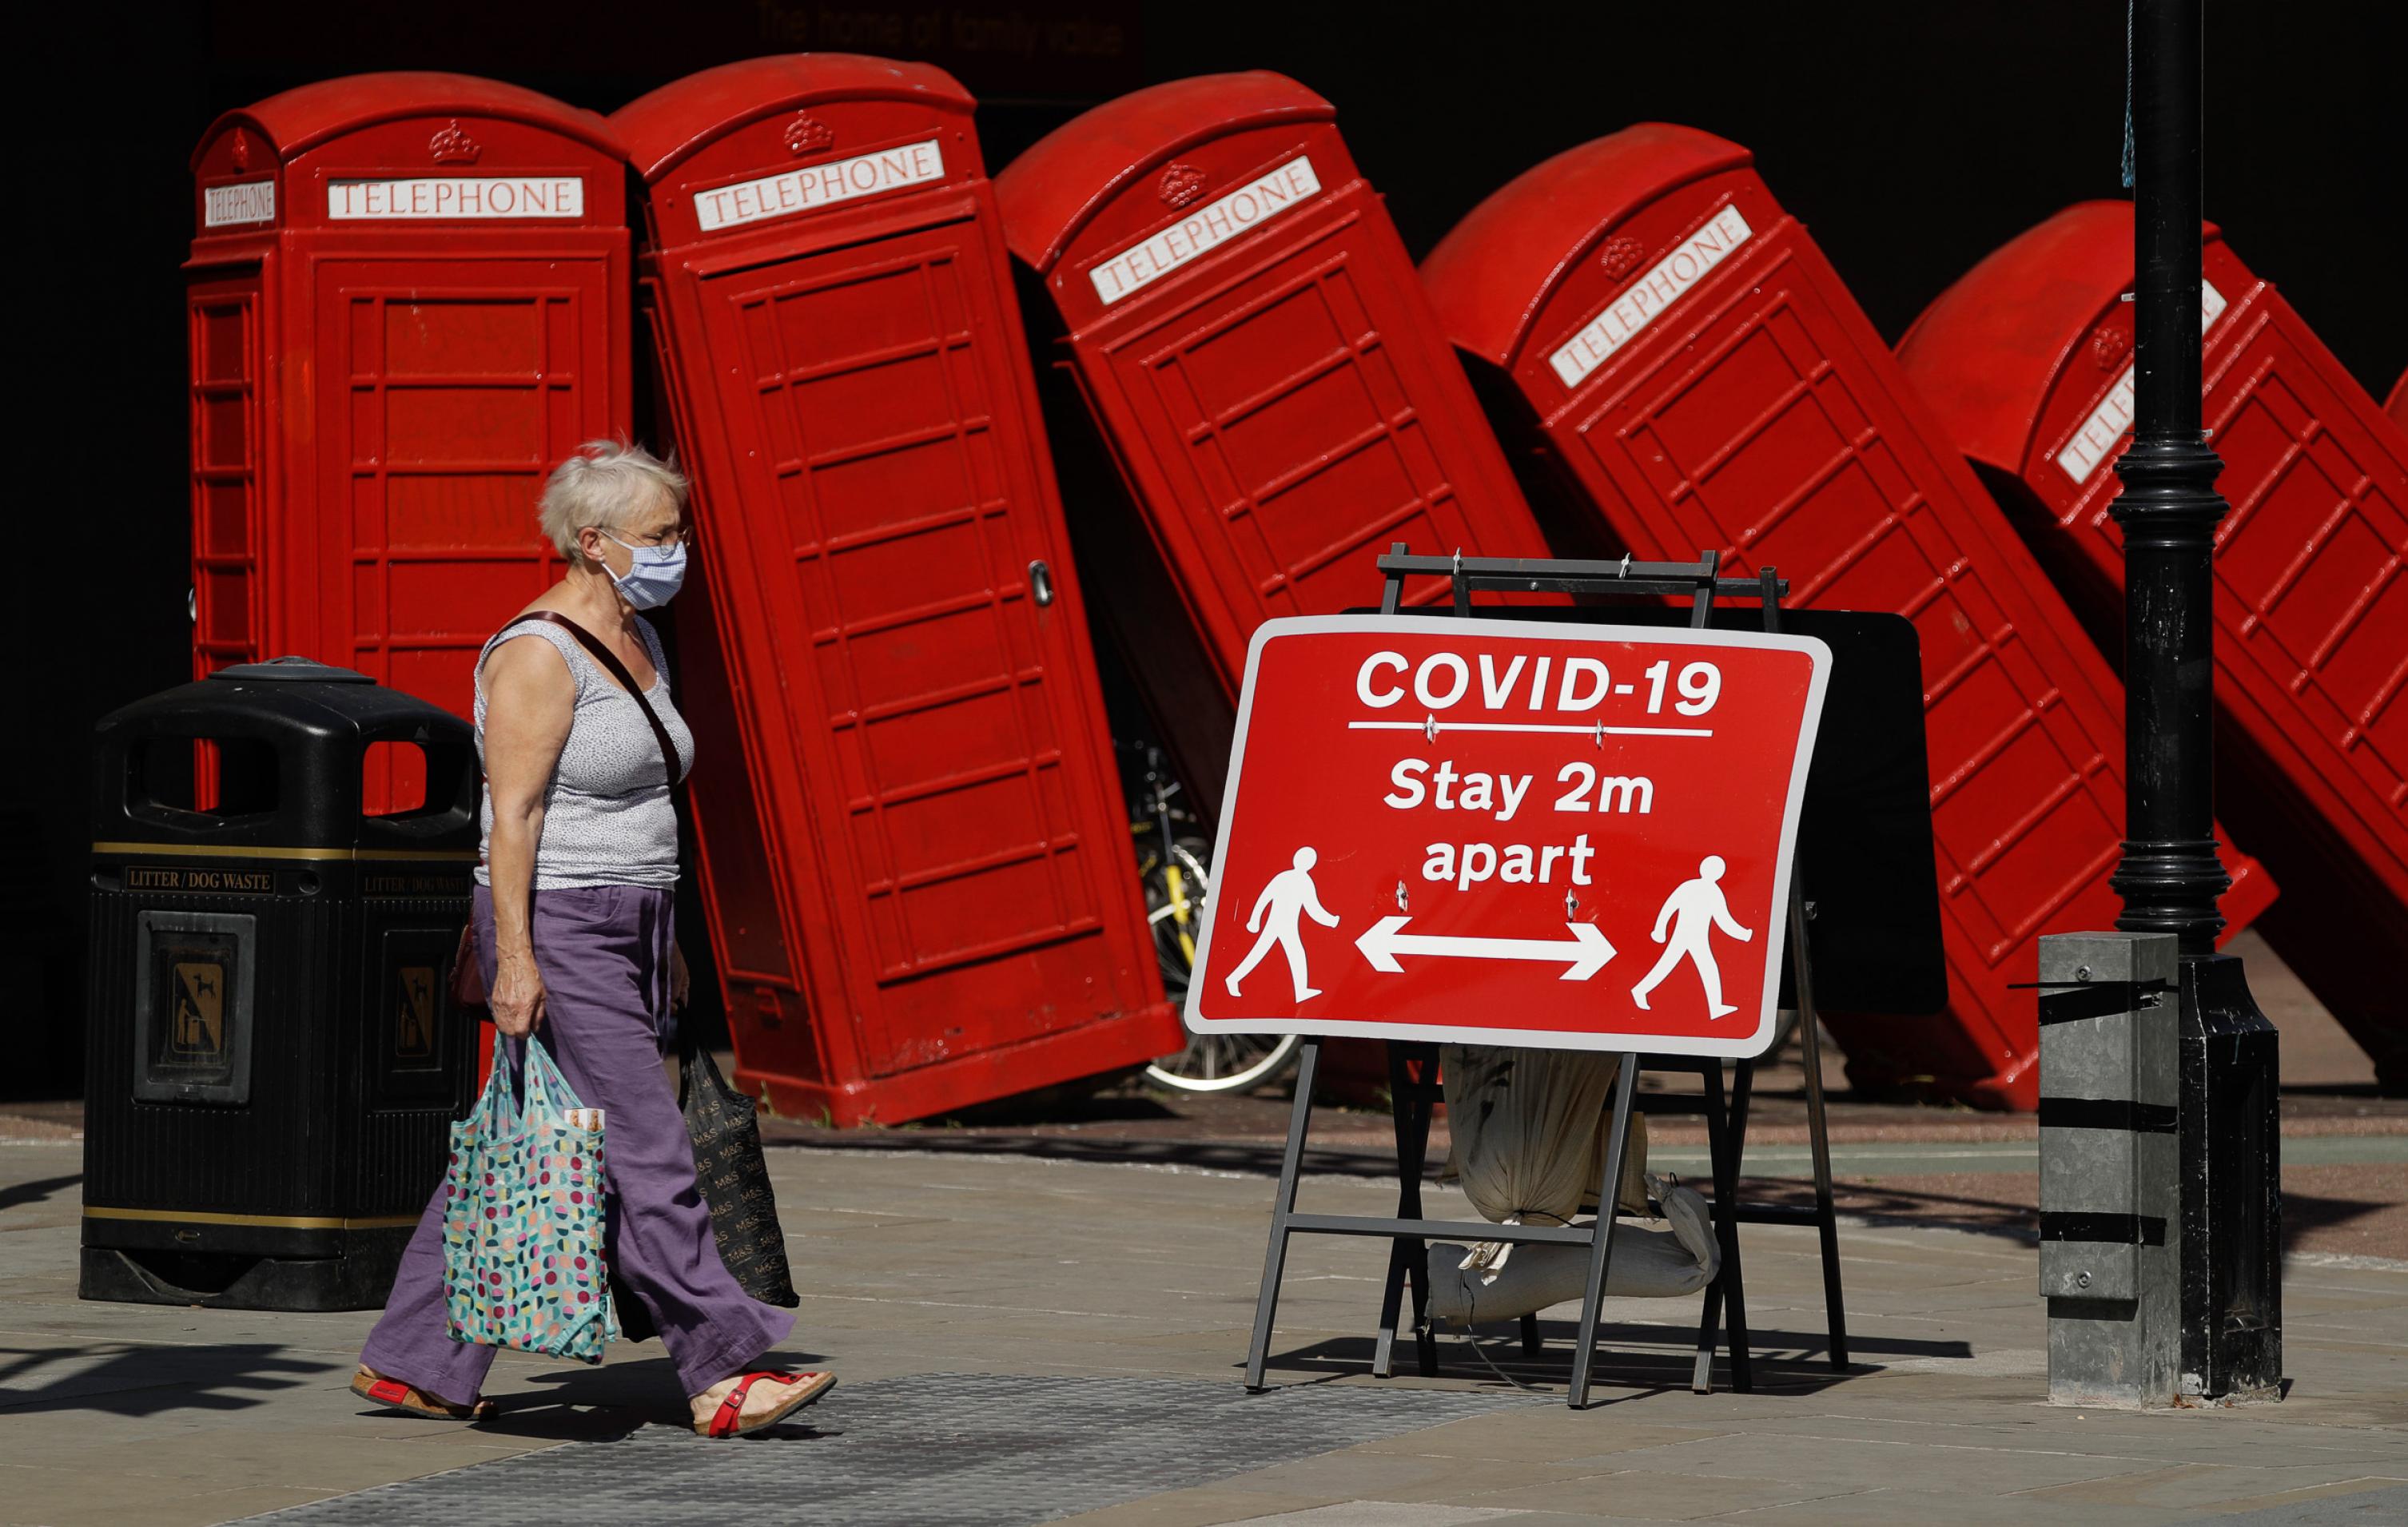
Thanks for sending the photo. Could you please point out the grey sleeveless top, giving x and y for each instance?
(606, 815)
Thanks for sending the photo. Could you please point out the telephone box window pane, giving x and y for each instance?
(225, 430)
(225, 518)
(1263, 349)
(460, 425)
(225, 608)
(221, 333)
(463, 338)
(847, 323)
(462, 509)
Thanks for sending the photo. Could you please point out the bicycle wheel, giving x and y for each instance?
(1177, 894)
(1225, 1063)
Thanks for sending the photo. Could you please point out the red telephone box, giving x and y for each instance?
(2397, 404)
(2028, 362)
(917, 865)
(1260, 361)
(1689, 363)
(407, 299)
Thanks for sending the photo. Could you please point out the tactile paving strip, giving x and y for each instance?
(977, 1450)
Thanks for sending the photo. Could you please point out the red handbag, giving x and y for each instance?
(467, 975)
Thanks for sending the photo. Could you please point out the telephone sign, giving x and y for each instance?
(1570, 836)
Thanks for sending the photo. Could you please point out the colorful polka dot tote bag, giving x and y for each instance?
(523, 1230)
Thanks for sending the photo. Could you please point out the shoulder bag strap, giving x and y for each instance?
(467, 958)
(617, 670)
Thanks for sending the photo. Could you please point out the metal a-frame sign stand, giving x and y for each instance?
(1414, 1081)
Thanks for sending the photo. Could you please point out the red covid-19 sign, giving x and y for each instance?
(1496, 831)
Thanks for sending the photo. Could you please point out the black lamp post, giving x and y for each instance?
(2170, 876)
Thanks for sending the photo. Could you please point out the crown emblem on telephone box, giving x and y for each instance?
(451, 145)
(1620, 257)
(807, 135)
(1180, 184)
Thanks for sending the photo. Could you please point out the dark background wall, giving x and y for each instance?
(1913, 137)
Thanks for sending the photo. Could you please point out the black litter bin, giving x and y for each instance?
(273, 1057)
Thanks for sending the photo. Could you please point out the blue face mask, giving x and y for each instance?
(655, 576)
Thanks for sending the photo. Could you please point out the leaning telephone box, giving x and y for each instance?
(917, 869)
(407, 300)
(1689, 363)
(1259, 359)
(2028, 361)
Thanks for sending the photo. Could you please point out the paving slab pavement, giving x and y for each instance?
(1002, 1267)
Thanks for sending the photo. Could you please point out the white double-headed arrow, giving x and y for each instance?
(1585, 952)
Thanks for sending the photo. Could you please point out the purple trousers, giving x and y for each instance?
(603, 955)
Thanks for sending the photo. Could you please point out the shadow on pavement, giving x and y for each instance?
(1984, 1202)
(1049, 1105)
(2015, 1218)
(33, 1192)
(1630, 1353)
(2303, 1212)
(549, 1418)
(1622, 1362)
(152, 1380)
(1254, 1159)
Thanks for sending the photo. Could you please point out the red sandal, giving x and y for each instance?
(728, 1421)
(401, 1397)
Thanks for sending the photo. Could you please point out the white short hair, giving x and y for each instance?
(603, 486)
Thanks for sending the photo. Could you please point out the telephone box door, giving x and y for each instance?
(940, 681)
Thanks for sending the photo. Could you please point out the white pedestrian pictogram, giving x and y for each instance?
(1288, 897)
(1695, 908)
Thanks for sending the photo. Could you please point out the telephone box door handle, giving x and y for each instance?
(1040, 582)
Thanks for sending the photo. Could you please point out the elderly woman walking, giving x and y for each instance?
(572, 911)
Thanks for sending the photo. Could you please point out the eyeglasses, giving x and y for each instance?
(675, 536)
